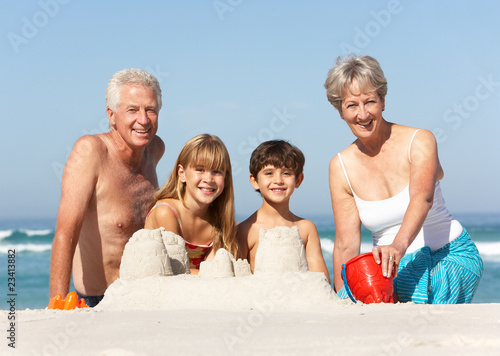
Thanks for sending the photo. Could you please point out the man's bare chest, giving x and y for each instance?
(124, 198)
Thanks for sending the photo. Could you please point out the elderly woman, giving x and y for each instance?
(388, 180)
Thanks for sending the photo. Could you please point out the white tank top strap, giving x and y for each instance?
(345, 173)
(409, 147)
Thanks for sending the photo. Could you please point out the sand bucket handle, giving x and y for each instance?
(346, 286)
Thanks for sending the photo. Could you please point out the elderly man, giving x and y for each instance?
(107, 186)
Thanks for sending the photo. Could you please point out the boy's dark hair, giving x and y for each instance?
(277, 153)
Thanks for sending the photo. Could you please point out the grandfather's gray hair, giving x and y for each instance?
(130, 76)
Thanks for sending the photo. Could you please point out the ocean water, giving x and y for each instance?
(32, 242)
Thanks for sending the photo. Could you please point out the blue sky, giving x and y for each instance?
(248, 71)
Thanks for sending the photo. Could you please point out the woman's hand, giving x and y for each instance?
(389, 256)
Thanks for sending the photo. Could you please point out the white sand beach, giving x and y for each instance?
(254, 315)
(226, 310)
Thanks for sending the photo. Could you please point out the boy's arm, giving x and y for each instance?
(248, 236)
(314, 255)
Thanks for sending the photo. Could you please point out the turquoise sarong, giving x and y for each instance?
(449, 275)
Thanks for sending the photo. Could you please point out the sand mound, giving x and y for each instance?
(288, 291)
(154, 265)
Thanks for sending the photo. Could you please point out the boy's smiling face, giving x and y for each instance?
(276, 184)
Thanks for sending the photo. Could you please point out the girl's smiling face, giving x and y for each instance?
(202, 185)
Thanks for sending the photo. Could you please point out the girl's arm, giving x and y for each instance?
(425, 170)
(347, 222)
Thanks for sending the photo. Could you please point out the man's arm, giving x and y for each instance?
(77, 187)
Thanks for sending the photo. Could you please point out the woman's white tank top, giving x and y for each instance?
(384, 217)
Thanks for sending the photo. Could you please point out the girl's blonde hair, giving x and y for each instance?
(209, 151)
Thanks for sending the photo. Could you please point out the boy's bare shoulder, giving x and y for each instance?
(245, 226)
(248, 230)
(305, 225)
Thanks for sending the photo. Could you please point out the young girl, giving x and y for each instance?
(197, 201)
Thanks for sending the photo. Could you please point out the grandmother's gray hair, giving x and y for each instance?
(365, 69)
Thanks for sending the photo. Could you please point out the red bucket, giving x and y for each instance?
(364, 281)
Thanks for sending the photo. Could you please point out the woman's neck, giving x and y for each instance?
(372, 145)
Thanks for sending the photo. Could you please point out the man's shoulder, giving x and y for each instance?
(157, 148)
(91, 144)
(88, 151)
(84, 162)
(157, 142)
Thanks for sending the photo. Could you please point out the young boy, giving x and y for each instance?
(276, 171)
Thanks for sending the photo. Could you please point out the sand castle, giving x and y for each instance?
(154, 275)
(280, 250)
(145, 255)
(162, 253)
(154, 253)
(224, 265)
(176, 250)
